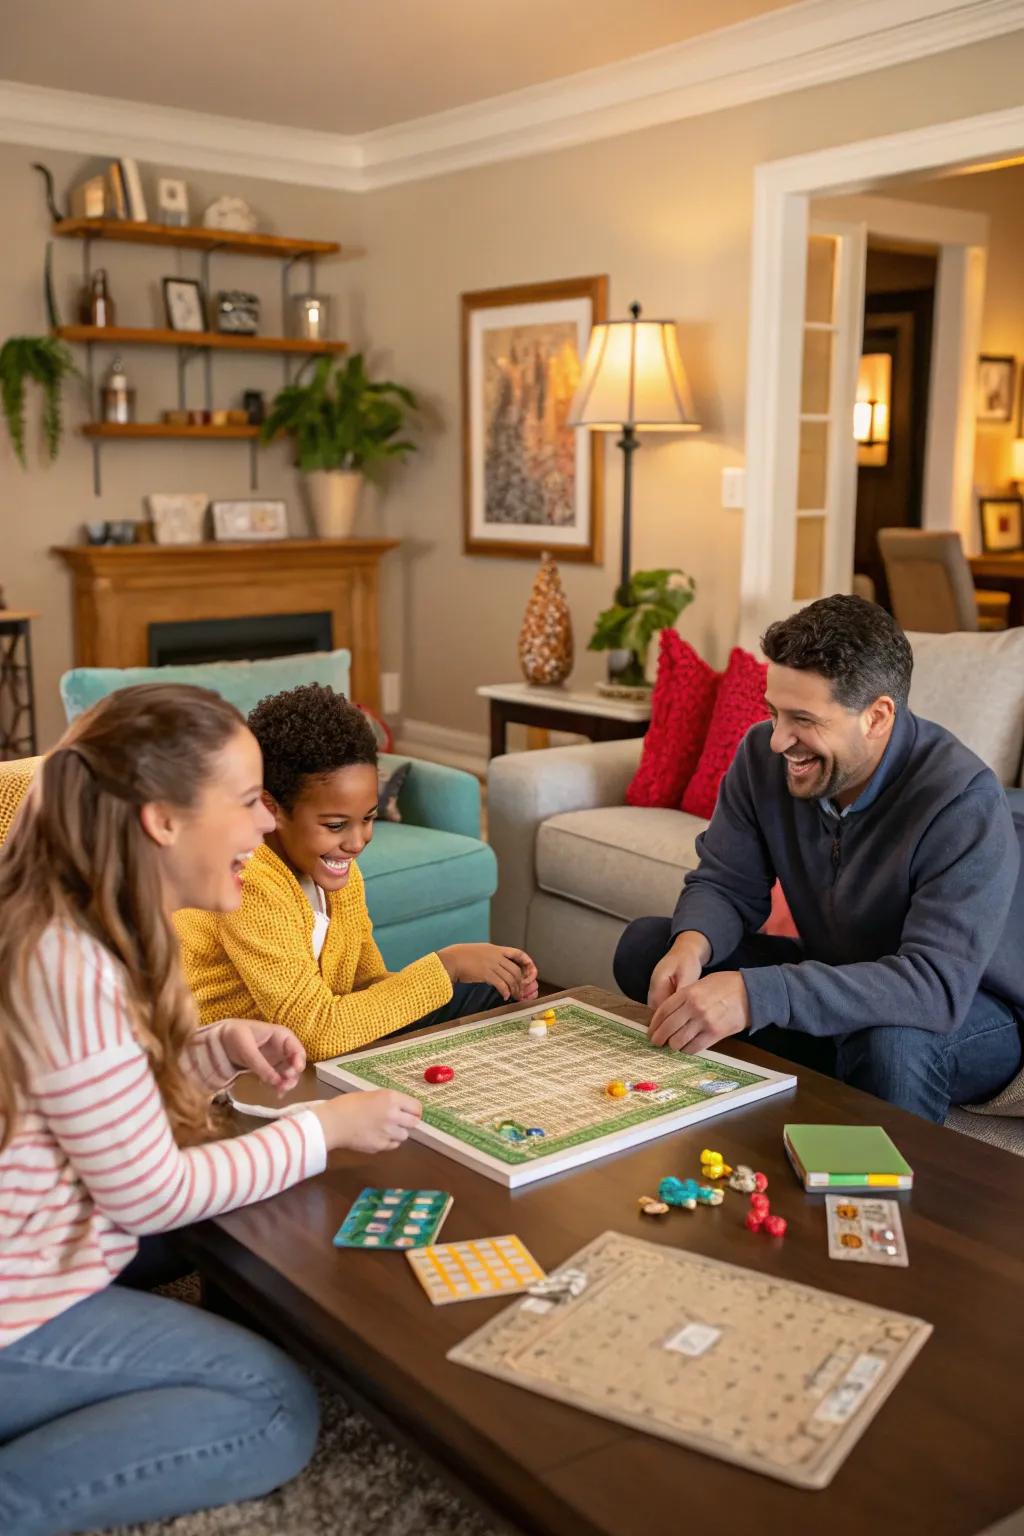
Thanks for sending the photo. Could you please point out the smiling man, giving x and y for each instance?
(900, 860)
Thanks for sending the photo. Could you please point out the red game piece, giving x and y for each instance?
(761, 1204)
(439, 1074)
(775, 1226)
(645, 1087)
(753, 1221)
(761, 1181)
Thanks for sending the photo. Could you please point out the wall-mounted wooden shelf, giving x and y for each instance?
(192, 238)
(158, 336)
(150, 429)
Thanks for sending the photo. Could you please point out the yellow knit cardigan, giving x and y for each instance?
(258, 963)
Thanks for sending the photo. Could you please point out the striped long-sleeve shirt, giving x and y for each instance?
(93, 1164)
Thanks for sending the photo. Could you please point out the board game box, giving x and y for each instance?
(767, 1373)
(518, 1109)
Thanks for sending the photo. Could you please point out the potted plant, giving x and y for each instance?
(48, 362)
(648, 602)
(343, 424)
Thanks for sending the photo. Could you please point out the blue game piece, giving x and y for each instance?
(687, 1193)
(535, 1130)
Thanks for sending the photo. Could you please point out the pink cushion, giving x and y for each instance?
(738, 705)
(681, 705)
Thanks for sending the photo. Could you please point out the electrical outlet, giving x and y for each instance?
(391, 693)
(734, 487)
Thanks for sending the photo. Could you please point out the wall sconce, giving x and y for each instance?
(871, 409)
(1017, 464)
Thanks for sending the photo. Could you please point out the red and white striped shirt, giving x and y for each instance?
(93, 1164)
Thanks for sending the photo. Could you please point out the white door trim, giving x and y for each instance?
(782, 193)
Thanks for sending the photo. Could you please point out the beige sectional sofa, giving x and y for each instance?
(576, 864)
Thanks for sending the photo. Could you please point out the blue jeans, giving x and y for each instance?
(131, 1407)
(918, 1069)
(467, 997)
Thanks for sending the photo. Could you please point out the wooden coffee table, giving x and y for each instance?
(943, 1455)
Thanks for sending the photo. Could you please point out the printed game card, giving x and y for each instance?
(394, 1219)
(865, 1231)
(484, 1266)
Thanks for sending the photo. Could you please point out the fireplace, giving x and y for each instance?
(244, 639)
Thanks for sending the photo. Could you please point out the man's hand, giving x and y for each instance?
(681, 967)
(700, 1015)
(272, 1052)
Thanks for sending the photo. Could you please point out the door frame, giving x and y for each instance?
(783, 190)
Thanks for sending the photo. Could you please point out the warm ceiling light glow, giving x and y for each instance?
(633, 376)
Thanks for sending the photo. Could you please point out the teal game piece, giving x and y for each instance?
(394, 1219)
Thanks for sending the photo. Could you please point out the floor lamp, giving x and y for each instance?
(633, 380)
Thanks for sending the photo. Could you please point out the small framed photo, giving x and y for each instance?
(997, 379)
(185, 304)
(172, 201)
(178, 519)
(250, 520)
(1002, 524)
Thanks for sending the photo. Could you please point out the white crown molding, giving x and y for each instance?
(811, 43)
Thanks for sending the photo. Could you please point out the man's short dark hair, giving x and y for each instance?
(855, 644)
(307, 733)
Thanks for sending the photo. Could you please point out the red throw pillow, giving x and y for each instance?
(739, 705)
(681, 705)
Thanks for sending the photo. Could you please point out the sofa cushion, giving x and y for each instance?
(973, 684)
(411, 871)
(681, 705)
(242, 683)
(627, 861)
(738, 705)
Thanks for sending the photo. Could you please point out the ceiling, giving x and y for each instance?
(343, 66)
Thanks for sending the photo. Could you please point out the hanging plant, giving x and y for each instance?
(49, 363)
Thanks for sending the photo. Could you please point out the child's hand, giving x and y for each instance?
(510, 971)
(368, 1122)
(270, 1051)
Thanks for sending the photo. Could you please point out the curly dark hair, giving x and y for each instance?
(855, 644)
(308, 732)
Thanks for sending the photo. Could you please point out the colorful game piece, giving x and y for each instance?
(537, 1029)
(651, 1207)
(869, 1231)
(616, 1090)
(484, 1266)
(760, 1182)
(394, 1219)
(438, 1074)
(687, 1193)
(644, 1087)
(563, 1285)
(747, 1181)
(775, 1226)
(761, 1204)
(534, 1130)
(753, 1221)
(713, 1165)
(511, 1130)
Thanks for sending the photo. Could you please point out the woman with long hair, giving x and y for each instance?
(117, 1405)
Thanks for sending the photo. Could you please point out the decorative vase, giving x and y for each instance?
(333, 496)
(545, 640)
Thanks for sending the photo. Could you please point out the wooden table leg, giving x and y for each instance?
(498, 733)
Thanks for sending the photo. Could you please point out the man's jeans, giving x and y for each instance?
(131, 1407)
(918, 1069)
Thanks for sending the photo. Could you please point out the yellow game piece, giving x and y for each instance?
(712, 1165)
(616, 1090)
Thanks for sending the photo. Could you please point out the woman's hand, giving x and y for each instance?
(378, 1121)
(270, 1051)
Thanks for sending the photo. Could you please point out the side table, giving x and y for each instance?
(580, 710)
(17, 698)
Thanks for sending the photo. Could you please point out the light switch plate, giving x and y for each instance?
(734, 487)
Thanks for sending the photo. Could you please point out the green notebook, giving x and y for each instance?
(846, 1157)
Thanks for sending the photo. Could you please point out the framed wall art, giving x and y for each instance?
(530, 482)
(997, 378)
(249, 520)
(1002, 525)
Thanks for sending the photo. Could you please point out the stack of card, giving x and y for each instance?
(865, 1231)
(394, 1218)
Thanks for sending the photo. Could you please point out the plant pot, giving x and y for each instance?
(333, 496)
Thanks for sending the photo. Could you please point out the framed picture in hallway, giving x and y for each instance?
(997, 380)
(1002, 524)
(530, 482)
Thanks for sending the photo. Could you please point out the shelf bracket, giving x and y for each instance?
(97, 477)
(254, 466)
(187, 355)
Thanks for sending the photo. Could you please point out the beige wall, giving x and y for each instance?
(1000, 195)
(666, 213)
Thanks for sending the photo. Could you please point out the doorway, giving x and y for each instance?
(899, 312)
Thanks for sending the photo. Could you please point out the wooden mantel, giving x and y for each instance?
(120, 589)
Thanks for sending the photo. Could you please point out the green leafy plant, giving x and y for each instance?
(342, 419)
(49, 363)
(650, 601)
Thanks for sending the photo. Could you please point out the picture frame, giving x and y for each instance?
(185, 304)
(172, 201)
(1002, 524)
(997, 387)
(249, 521)
(178, 517)
(530, 482)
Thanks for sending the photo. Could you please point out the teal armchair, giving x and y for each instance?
(429, 878)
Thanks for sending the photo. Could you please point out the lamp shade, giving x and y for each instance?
(633, 376)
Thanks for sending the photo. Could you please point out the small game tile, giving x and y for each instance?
(484, 1266)
(394, 1219)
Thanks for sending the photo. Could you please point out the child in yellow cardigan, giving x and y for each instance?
(300, 951)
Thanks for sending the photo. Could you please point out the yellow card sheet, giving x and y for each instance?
(482, 1266)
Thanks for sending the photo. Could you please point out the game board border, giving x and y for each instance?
(336, 1075)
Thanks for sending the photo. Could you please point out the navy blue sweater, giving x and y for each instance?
(906, 905)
